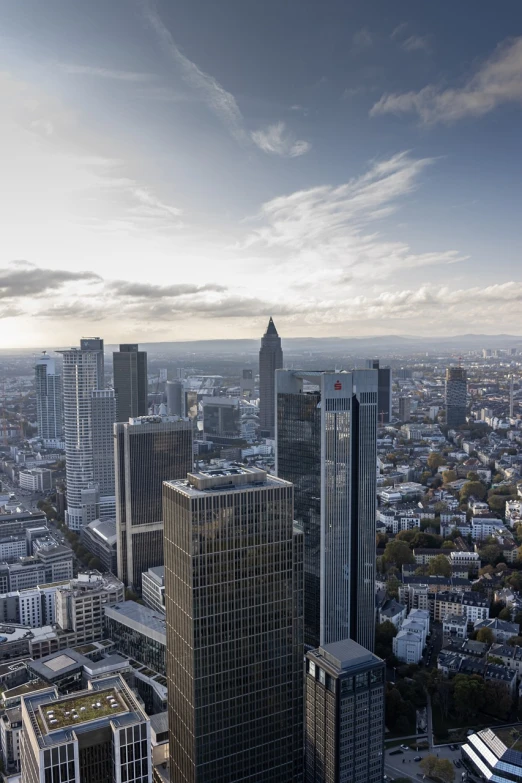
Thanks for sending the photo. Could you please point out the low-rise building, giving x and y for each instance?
(455, 626)
(392, 611)
(501, 629)
(153, 588)
(495, 754)
(36, 480)
(407, 646)
(99, 537)
(139, 632)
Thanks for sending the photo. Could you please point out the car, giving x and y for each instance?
(418, 758)
(405, 747)
(457, 763)
(395, 752)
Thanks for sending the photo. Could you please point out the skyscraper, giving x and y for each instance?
(83, 372)
(384, 392)
(405, 409)
(326, 446)
(148, 451)
(130, 381)
(103, 412)
(344, 724)
(175, 398)
(270, 360)
(233, 576)
(456, 396)
(48, 399)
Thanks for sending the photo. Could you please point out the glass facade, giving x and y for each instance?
(148, 452)
(270, 360)
(233, 572)
(130, 382)
(456, 396)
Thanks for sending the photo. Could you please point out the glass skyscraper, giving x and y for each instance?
(130, 381)
(456, 396)
(233, 588)
(270, 360)
(326, 446)
(48, 399)
(148, 451)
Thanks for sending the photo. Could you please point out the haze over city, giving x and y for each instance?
(181, 171)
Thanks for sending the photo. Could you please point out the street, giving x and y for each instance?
(403, 765)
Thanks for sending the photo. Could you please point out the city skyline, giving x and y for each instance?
(336, 187)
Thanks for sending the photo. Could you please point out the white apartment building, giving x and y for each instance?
(483, 527)
(407, 646)
(470, 560)
(455, 626)
(11, 548)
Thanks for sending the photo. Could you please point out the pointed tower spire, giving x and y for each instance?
(271, 330)
(270, 360)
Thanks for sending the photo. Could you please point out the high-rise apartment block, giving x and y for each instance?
(233, 576)
(99, 735)
(456, 396)
(148, 451)
(270, 360)
(384, 390)
(130, 381)
(83, 372)
(48, 400)
(326, 446)
(344, 708)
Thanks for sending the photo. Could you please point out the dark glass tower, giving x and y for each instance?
(326, 446)
(456, 396)
(148, 451)
(130, 381)
(270, 360)
(233, 582)
(384, 392)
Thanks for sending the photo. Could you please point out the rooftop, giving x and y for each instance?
(511, 737)
(147, 621)
(345, 654)
(85, 707)
(235, 478)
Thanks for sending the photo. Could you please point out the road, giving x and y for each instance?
(404, 765)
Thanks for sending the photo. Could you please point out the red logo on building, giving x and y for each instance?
(338, 386)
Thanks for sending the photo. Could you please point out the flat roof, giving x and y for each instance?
(72, 710)
(345, 654)
(147, 621)
(235, 478)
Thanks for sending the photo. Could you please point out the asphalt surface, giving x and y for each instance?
(403, 765)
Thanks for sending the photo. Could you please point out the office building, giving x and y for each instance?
(344, 723)
(270, 360)
(384, 391)
(233, 575)
(83, 372)
(99, 735)
(456, 396)
(103, 413)
(100, 539)
(153, 588)
(138, 632)
(130, 382)
(81, 603)
(36, 479)
(404, 409)
(221, 417)
(247, 383)
(175, 398)
(495, 754)
(48, 400)
(148, 451)
(326, 446)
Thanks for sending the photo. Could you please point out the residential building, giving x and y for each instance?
(474, 606)
(270, 360)
(456, 396)
(344, 715)
(495, 754)
(326, 446)
(138, 632)
(129, 366)
(414, 596)
(83, 372)
(49, 414)
(470, 560)
(148, 451)
(393, 612)
(484, 527)
(407, 646)
(93, 736)
(100, 539)
(455, 626)
(153, 588)
(502, 629)
(233, 597)
(10, 738)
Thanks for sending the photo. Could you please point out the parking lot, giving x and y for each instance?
(404, 764)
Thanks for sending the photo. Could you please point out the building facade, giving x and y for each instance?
(103, 413)
(384, 393)
(233, 575)
(153, 588)
(49, 415)
(344, 723)
(130, 382)
(148, 451)
(456, 396)
(270, 360)
(326, 446)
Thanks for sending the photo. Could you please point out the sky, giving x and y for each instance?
(176, 170)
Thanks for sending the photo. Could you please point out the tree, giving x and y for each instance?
(498, 698)
(428, 764)
(392, 587)
(485, 635)
(515, 641)
(398, 552)
(439, 566)
(406, 535)
(473, 476)
(448, 476)
(518, 618)
(443, 696)
(475, 488)
(444, 770)
(448, 545)
(490, 553)
(505, 614)
(435, 460)
(384, 635)
(469, 694)
(381, 539)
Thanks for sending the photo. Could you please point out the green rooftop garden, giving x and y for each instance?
(511, 737)
(82, 708)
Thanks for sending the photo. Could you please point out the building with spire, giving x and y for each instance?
(270, 360)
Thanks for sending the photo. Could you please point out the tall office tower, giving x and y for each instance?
(48, 399)
(83, 372)
(270, 360)
(175, 398)
(404, 409)
(344, 723)
(456, 396)
(327, 447)
(247, 383)
(103, 413)
(148, 450)
(99, 735)
(384, 392)
(130, 381)
(233, 582)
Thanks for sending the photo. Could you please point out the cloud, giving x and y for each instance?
(150, 291)
(399, 30)
(416, 43)
(496, 82)
(277, 140)
(361, 40)
(22, 279)
(219, 100)
(106, 73)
